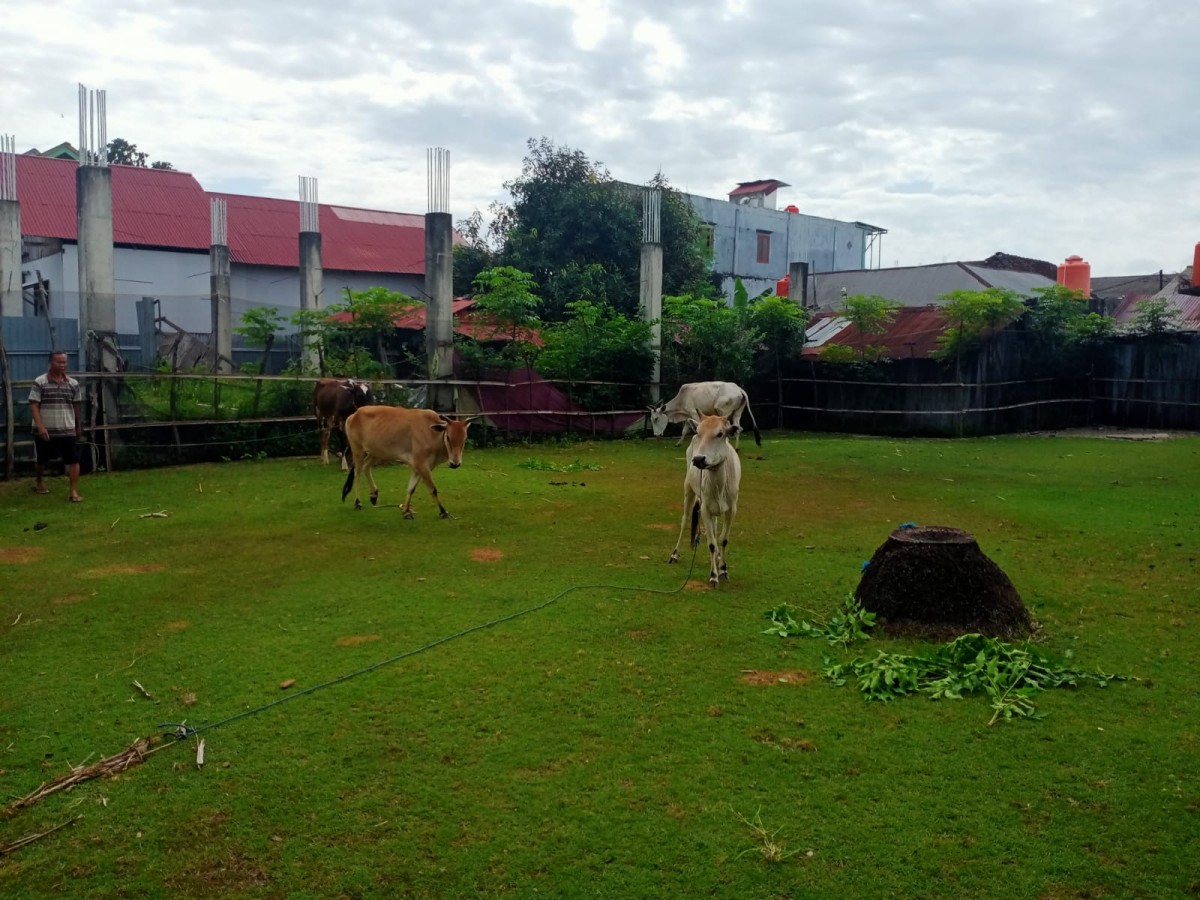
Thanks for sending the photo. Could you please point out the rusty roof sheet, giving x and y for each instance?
(1188, 304)
(912, 333)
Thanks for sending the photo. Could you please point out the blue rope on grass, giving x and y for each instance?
(182, 731)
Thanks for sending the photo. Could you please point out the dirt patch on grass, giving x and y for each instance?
(783, 676)
(69, 599)
(695, 585)
(662, 526)
(357, 640)
(486, 554)
(118, 569)
(21, 555)
(176, 627)
(639, 635)
(1115, 434)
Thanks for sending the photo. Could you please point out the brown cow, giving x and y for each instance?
(421, 438)
(333, 402)
(710, 490)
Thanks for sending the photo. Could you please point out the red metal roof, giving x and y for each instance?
(165, 209)
(151, 207)
(265, 231)
(912, 333)
(475, 326)
(753, 187)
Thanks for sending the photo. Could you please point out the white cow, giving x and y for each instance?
(703, 398)
(710, 490)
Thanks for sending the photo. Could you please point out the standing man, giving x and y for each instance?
(57, 424)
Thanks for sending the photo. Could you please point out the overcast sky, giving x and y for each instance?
(963, 127)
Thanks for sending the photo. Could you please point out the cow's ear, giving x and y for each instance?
(695, 423)
(733, 430)
(438, 426)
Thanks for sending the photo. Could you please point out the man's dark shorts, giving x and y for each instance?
(64, 447)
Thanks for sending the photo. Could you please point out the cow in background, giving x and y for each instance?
(703, 398)
(710, 490)
(420, 438)
(333, 402)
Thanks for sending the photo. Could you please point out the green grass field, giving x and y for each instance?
(616, 742)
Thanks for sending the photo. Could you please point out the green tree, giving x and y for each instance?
(364, 323)
(568, 211)
(871, 314)
(122, 152)
(597, 343)
(1156, 317)
(781, 324)
(705, 340)
(260, 326)
(974, 314)
(504, 295)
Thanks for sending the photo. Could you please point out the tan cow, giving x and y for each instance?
(334, 400)
(420, 438)
(710, 490)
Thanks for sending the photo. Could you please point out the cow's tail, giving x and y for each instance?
(346, 488)
(695, 522)
(753, 424)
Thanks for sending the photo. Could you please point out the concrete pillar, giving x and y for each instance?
(311, 286)
(97, 291)
(439, 307)
(10, 258)
(651, 302)
(222, 307)
(798, 283)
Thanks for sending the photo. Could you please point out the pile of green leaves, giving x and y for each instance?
(1010, 675)
(849, 623)
(542, 465)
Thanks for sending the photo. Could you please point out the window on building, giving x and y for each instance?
(764, 247)
(708, 238)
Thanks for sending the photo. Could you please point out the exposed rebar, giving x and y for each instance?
(218, 222)
(309, 219)
(93, 127)
(8, 167)
(438, 163)
(651, 216)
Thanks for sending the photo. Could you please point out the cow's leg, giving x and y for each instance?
(366, 467)
(413, 480)
(726, 527)
(715, 560)
(689, 501)
(424, 474)
(324, 443)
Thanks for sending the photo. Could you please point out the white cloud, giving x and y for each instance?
(962, 127)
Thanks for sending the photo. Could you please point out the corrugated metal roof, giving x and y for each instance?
(473, 326)
(265, 231)
(1188, 305)
(919, 285)
(912, 333)
(753, 187)
(165, 209)
(151, 207)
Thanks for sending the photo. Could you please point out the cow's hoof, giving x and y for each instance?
(446, 515)
(408, 514)
(674, 558)
(374, 499)
(358, 504)
(713, 581)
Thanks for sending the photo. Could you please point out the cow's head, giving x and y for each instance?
(360, 393)
(454, 437)
(658, 418)
(710, 447)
